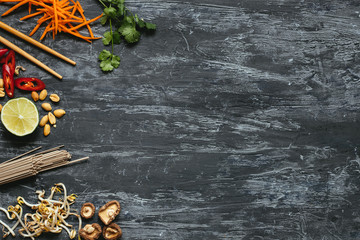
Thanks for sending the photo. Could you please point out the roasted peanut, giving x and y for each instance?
(43, 94)
(2, 92)
(44, 120)
(46, 130)
(46, 107)
(54, 97)
(59, 113)
(35, 96)
(1, 82)
(52, 118)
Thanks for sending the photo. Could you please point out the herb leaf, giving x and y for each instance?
(103, 19)
(128, 28)
(104, 54)
(150, 26)
(110, 12)
(130, 33)
(108, 61)
(107, 38)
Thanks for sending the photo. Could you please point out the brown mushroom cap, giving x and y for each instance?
(90, 231)
(87, 210)
(112, 232)
(109, 211)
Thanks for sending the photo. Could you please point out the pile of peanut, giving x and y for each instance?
(50, 118)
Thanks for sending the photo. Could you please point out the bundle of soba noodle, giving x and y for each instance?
(24, 166)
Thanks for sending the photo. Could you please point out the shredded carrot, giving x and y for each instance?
(31, 15)
(60, 16)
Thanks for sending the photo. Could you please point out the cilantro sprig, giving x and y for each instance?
(123, 25)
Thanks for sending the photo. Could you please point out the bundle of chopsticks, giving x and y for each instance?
(35, 43)
(26, 165)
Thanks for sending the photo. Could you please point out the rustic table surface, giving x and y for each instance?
(234, 120)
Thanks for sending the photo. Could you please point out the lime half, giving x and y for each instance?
(20, 116)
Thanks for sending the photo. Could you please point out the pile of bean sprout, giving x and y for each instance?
(50, 214)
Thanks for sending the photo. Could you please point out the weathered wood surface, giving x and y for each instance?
(235, 120)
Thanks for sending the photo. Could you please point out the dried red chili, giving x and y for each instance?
(29, 84)
(8, 80)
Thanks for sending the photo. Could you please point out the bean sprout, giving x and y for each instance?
(50, 214)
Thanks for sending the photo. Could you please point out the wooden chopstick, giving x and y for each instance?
(28, 56)
(34, 42)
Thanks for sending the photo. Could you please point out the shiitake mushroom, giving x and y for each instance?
(90, 231)
(87, 210)
(109, 211)
(112, 232)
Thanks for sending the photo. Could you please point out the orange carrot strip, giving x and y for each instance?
(55, 17)
(30, 15)
(10, 1)
(83, 17)
(40, 22)
(15, 7)
(47, 29)
(81, 10)
(76, 34)
(87, 22)
(35, 29)
(43, 19)
(29, 7)
(54, 30)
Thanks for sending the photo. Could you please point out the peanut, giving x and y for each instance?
(2, 92)
(35, 96)
(52, 118)
(44, 120)
(46, 107)
(43, 94)
(46, 130)
(1, 82)
(59, 113)
(54, 97)
(0, 107)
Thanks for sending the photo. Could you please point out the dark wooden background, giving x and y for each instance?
(235, 120)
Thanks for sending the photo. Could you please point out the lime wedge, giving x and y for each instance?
(20, 116)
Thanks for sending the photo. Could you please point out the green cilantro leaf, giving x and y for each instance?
(128, 20)
(110, 62)
(128, 26)
(107, 38)
(106, 66)
(110, 12)
(130, 33)
(104, 54)
(121, 9)
(150, 26)
(116, 37)
(115, 61)
(103, 19)
(139, 21)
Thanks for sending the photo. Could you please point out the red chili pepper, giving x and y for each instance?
(3, 51)
(8, 80)
(29, 84)
(10, 61)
